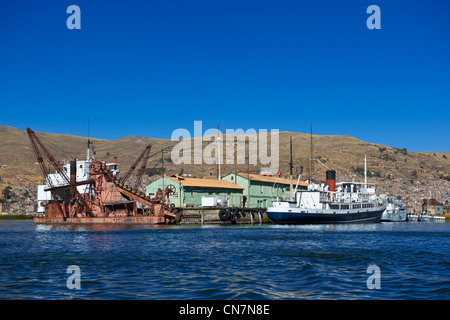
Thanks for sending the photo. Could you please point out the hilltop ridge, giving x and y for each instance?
(345, 154)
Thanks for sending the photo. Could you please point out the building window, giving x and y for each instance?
(192, 192)
(261, 188)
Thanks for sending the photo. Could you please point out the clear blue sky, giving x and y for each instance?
(149, 67)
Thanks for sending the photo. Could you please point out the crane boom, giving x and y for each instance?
(44, 170)
(144, 157)
(319, 161)
(143, 166)
(36, 143)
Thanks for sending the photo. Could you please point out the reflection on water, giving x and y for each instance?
(96, 227)
(224, 262)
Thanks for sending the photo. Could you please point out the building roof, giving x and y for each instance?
(431, 202)
(271, 179)
(211, 183)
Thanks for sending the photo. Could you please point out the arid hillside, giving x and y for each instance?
(345, 154)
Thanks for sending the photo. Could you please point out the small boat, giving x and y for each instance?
(394, 212)
(413, 217)
(332, 203)
(427, 217)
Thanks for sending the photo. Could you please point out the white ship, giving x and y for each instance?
(345, 202)
(424, 217)
(394, 212)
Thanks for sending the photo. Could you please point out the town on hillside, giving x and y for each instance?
(248, 189)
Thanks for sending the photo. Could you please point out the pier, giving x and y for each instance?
(223, 215)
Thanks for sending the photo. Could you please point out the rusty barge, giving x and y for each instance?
(101, 197)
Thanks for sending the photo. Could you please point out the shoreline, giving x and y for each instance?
(16, 217)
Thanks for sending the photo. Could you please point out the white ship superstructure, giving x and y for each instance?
(56, 180)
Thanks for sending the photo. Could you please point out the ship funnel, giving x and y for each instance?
(331, 180)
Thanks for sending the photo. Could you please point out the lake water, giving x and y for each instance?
(226, 262)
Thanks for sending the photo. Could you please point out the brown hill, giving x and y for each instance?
(345, 154)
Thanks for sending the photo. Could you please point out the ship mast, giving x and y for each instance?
(89, 141)
(365, 172)
(290, 172)
(310, 162)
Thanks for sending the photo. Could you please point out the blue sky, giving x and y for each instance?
(147, 68)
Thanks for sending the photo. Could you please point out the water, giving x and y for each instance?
(225, 262)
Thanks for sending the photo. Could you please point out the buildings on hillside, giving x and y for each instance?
(432, 206)
(235, 189)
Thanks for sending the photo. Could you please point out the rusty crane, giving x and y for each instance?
(106, 200)
(142, 157)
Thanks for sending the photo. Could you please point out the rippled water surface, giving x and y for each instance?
(225, 262)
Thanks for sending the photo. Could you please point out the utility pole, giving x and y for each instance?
(248, 177)
(235, 162)
(179, 182)
(218, 151)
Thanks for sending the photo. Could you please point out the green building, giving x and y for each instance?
(195, 192)
(260, 190)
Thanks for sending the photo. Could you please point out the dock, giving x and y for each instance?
(223, 215)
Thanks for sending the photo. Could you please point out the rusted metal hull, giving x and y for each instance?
(99, 220)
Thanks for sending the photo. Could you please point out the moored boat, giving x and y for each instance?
(413, 217)
(394, 212)
(332, 203)
(425, 216)
(89, 192)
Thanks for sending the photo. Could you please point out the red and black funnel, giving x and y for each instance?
(331, 180)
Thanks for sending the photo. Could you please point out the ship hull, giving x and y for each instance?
(390, 217)
(293, 217)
